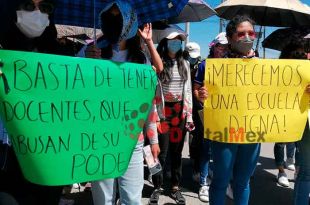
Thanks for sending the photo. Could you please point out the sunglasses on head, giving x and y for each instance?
(44, 7)
(242, 34)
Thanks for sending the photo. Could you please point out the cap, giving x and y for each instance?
(193, 49)
(220, 38)
(171, 33)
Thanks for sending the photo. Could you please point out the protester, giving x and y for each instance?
(290, 147)
(32, 28)
(29, 27)
(176, 82)
(232, 160)
(298, 50)
(192, 54)
(302, 183)
(218, 49)
(219, 46)
(120, 43)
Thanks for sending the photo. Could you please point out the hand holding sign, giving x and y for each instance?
(71, 119)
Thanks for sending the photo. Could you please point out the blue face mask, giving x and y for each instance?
(174, 45)
(192, 61)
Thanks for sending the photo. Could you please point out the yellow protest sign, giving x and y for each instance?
(255, 100)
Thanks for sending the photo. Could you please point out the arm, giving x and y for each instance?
(188, 93)
(200, 92)
(151, 130)
(146, 35)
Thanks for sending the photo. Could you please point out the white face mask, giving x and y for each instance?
(32, 23)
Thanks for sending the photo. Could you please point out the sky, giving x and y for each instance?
(204, 32)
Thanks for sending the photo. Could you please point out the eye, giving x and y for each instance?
(241, 34)
(46, 7)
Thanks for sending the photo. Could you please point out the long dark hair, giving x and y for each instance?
(211, 52)
(135, 53)
(166, 74)
(290, 51)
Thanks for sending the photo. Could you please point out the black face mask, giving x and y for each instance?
(111, 26)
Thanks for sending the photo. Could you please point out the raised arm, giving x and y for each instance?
(146, 35)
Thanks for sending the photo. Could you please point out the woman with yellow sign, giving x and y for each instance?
(236, 160)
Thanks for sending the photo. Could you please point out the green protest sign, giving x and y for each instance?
(73, 119)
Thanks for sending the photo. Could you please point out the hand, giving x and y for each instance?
(93, 52)
(308, 89)
(146, 32)
(190, 126)
(202, 94)
(155, 150)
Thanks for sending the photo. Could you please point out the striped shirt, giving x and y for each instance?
(173, 90)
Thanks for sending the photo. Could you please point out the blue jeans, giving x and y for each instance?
(204, 161)
(232, 160)
(302, 184)
(130, 184)
(279, 152)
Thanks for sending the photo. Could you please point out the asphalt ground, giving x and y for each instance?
(264, 187)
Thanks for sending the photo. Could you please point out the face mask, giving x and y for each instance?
(192, 61)
(32, 23)
(111, 27)
(174, 45)
(242, 46)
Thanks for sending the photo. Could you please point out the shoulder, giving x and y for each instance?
(202, 63)
(202, 66)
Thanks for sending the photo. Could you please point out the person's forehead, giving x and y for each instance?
(114, 10)
(245, 25)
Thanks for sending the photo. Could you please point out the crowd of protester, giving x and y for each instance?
(30, 27)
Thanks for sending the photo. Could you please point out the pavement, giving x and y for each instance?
(264, 187)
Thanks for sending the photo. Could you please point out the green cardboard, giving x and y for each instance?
(73, 119)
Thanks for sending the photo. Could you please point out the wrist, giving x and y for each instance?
(148, 41)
